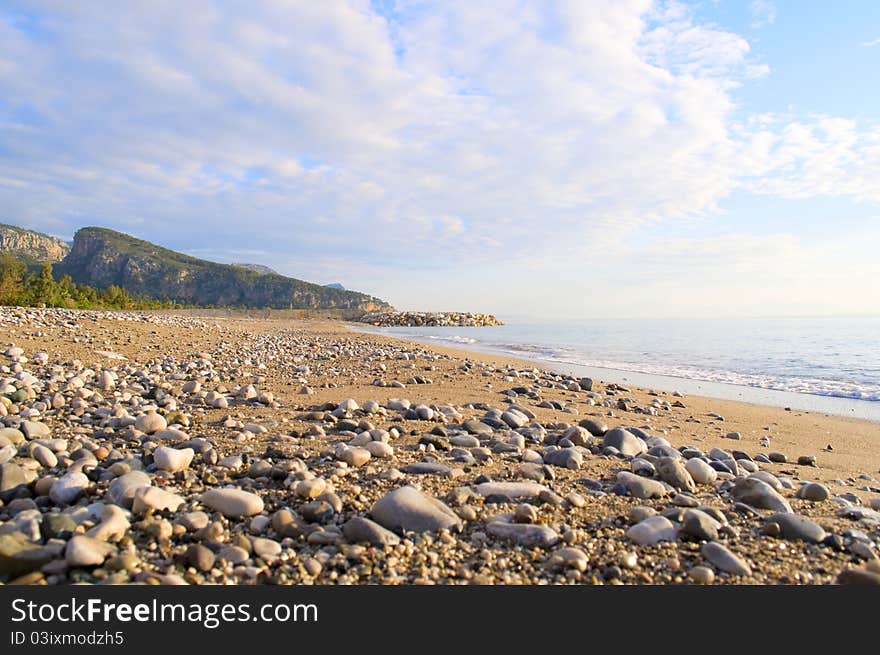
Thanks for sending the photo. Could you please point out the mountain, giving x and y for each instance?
(256, 268)
(31, 247)
(101, 257)
(335, 285)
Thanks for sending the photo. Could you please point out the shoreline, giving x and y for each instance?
(808, 402)
(260, 451)
(804, 429)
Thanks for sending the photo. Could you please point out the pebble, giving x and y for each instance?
(19, 555)
(380, 449)
(624, 441)
(82, 551)
(814, 491)
(427, 468)
(569, 557)
(355, 457)
(150, 422)
(700, 525)
(640, 487)
(267, 549)
(510, 490)
(594, 426)
(70, 486)
(45, 457)
(172, 460)
(233, 503)
(720, 557)
(199, 557)
(652, 530)
(859, 577)
(759, 494)
(362, 530)
(525, 514)
(11, 476)
(155, 499)
(122, 489)
(640, 513)
(194, 521)
(408, 509)
(700, 471)
(795, 527)
(565, 457)
(702, 575)
(311, 488)
(34, 430)
(673, 472)
(523, 534)
(113, 526)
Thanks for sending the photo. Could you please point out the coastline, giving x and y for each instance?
(855, 441)
(315, 429)
(809, 402)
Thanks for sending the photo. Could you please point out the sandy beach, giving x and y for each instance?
(318, 427)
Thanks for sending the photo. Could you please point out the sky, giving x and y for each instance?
(561, 159)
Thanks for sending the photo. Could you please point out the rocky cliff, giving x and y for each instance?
(256, 268)
(31, 247)
(102, 257)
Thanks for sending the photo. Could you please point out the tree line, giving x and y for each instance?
(24, 288)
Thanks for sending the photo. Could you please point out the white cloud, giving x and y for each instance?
(763, 13)
(871, 43)
(349, 143)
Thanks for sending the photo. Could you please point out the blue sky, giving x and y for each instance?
(572, 158)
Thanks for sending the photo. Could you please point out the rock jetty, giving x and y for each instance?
(429, 319)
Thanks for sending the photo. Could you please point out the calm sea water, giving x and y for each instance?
(821, 364)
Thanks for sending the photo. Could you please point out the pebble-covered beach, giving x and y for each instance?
(164, 449)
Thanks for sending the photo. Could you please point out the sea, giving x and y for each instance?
(826, 364)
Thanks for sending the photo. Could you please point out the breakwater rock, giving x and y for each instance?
(429, 319)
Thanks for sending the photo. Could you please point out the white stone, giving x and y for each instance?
(233, 503)
(355, 457)
(150, 422)
(172, 459)
(652, 530)
(700, 471)
(87, 551)
(379, 449)
(113, 525)
(68, 488)
(156, 499)
(408, 509)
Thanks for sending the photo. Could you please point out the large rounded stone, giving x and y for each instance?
(408, 509)
(527, 535)
(172, 460)
(624, 441)
(122, 489)
(797, 528)
(233, 503)
(720, 557)
(150, 422)
(652, 530)
(363, 530)
(700, 471)
(640, 487)
(84, 551)
(673, 472)
(66, 489)
(759, 494)
(510, 490)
